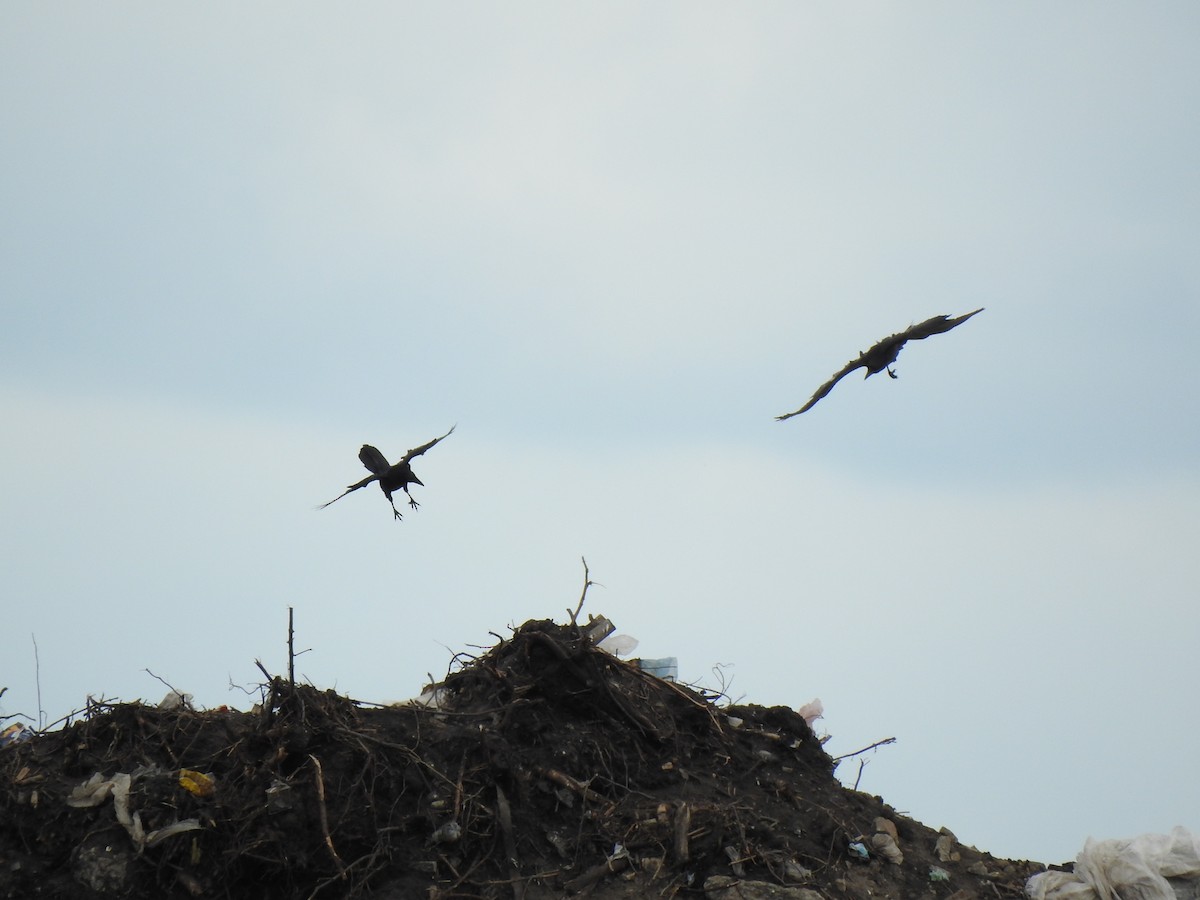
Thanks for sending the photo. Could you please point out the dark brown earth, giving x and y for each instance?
(549, 769)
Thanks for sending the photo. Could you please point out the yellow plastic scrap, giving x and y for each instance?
(196, 782)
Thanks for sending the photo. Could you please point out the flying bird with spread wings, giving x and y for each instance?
(883, 354)
(390, 477)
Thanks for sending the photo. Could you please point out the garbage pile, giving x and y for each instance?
(545, 767)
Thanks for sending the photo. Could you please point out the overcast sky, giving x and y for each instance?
(611, 241)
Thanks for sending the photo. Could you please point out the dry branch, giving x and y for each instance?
(683, 822)
(587, 583)
(561, 778)
(324, 815)
(873, 746)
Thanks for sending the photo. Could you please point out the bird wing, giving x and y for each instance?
(353, 487)
(419, 450)
(827, 386)
(374, 460)
(934, 325)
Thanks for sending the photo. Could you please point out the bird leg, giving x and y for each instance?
(891, 374)
(411, 501)
(388, 494)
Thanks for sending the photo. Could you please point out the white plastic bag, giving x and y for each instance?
(1147, 867)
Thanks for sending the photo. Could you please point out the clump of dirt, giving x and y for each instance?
(544, 768)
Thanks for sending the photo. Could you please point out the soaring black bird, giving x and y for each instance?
(390, 477)
(883, 354)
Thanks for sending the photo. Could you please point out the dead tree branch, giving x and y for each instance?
(873, 746)
(291, 650)
(37, 675)
(324, 815)
(587, 583)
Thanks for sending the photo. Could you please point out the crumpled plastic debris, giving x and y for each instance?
(666, 668)
(433, 697)
(1147, 867)
(885, 842)
(447, 834)
(176, 699)
(279, 796)
(196, 783)
(812, 710)
(97, 789)
(618, 644)
(15, 734)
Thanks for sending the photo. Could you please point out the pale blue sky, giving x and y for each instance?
(611, 242)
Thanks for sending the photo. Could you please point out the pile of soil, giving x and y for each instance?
(544, 768)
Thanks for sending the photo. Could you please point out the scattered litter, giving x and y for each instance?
(597, 630)
(196, 783)
(430, 698)
(176, 700)
(885, 842)
(811, 711)
(96, 791)
(666, 668)
(15, 734)
(618, 644)
(279, 796)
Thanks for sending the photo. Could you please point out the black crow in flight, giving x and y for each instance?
(883, 354)
(390, 477)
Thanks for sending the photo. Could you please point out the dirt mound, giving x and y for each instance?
(543, 768)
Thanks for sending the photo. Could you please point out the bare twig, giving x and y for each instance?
(858, 777)
(291, 651)
(239, 687)
(37, 675)
(174, 690)
(587, 583)
(873, 746)
(65, 719)
(22, 715)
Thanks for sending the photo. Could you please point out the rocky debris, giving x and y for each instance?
(724, 887)
(885, 841)
(545, 767)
